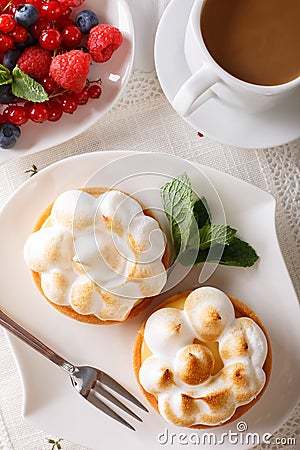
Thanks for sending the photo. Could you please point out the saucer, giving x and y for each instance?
(216, 119)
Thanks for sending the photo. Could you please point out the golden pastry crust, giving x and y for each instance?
(68, 310)
(241, 310)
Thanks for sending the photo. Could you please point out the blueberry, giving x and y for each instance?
(30, 41)
(6, 95)
(11, 57)
(9, 135)
(26, 15)
(86, 20)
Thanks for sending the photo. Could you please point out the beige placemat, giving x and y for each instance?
(144, 121)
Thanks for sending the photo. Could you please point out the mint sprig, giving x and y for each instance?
(5, 75)
(177, 198)
(192, 231)
(22, 85)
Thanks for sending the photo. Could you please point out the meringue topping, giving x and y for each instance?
(196, 393)
(99, 255)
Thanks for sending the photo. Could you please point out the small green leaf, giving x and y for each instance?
(51, 441)
(23, 86)
(177, 199)
(201, 212)
(237, 253)
(211, 235)
(5, 75)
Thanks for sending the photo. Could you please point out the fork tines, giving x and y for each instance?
(103, 379)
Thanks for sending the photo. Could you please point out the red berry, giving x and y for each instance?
(49, 84)
(55, 110)
(19, 33)
(71, 3)
(103, 41)
(50, 39)
(50, 10)
(16, 114)
(36, 3)
(65, 11)
(6, 42)
(71, 69)
(39, 26)
(69, 103)
(94, 91)
(71, 36)
(7, 23)
(38, 112)
(35, 61)
(63, 22)
(82, 97)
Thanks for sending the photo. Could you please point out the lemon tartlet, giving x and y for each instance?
(202, 358)
(97, 255)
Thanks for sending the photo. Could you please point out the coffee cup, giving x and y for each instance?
(263, 85)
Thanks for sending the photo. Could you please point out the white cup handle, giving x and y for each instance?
(190, 95)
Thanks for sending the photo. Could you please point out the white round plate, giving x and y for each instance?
(49, 399)
(215, 119)
(114, 75)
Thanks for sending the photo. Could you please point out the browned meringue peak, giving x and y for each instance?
(194, 364)
(209, 311)
(220, 405)
(45, 248)
(178, 408)
(244, 381)
(55, 286)
(167, 331)
(156, 375)
(243, 338)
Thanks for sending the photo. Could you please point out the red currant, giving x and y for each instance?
(50, 39)
(7, 23)
(64, 22)
(49, 85)
(55, 110)
(71, 36)
(50, 10)
(82, 97)
(16, 114)
(38, 112)
(39, 26)
(36, 3)
(69, 103)
(6, 42)
(94, 91)
(19, 33)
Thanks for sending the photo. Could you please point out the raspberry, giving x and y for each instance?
(71, 69)
(71, 3)
(103, 41)
(35, 61)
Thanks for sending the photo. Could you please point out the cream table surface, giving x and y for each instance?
(144, 121)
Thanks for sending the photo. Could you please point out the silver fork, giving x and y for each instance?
(91, 383)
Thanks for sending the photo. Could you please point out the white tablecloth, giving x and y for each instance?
(144, 121)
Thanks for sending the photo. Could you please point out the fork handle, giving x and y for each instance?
(9, 324)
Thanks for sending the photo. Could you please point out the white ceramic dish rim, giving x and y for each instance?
(22, 352)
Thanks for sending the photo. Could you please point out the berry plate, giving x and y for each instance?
(114, 75)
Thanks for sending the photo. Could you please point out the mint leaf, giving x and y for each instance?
(5, 75)
(23, 86)
(237, 253)
(177, 199)
(211, 235)
(201, 212)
